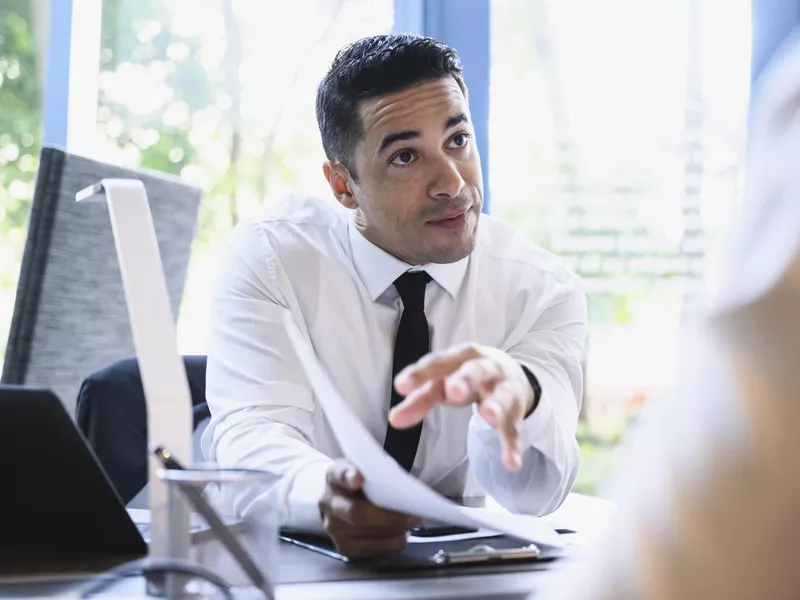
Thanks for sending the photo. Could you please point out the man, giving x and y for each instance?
(479, 331)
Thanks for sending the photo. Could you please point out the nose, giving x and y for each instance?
(447, 180)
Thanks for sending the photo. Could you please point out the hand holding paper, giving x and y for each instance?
(359, 528)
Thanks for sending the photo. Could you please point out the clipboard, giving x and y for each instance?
(495, 550)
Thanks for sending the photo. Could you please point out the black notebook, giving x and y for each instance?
(435, 554)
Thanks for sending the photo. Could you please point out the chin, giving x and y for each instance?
(448, 247)
(452, 253)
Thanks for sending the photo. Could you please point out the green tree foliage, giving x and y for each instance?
(138, 35)
(20, 140)
(20, 114)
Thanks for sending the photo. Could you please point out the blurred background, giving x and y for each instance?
(612, 133)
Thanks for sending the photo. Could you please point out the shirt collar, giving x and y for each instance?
(378, 269)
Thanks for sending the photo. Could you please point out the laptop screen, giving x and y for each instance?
(56, 502)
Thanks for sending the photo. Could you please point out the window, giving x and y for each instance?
(222, 93)
(22, 51)
(617, 139)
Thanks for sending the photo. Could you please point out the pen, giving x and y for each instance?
(217, 526)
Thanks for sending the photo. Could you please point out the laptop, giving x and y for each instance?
(59, 512)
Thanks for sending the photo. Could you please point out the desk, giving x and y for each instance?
(509, 586)
(306, 575)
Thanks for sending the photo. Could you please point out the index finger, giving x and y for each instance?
(416, 405)
(434, 366)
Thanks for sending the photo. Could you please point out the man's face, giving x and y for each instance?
(419, 191)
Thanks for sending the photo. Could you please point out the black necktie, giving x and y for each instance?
(412, 343)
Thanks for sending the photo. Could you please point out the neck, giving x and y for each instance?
(361, 227)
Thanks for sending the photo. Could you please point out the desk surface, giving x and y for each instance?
(506, 586)
(309, 575)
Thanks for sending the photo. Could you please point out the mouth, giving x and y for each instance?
(450, 220)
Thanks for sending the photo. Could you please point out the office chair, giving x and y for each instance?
(70, 317)
(112, 414)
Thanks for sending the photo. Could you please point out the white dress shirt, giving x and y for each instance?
(306, 255)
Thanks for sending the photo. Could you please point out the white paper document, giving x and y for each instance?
(386, 483)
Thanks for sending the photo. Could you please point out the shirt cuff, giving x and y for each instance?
(302, 510)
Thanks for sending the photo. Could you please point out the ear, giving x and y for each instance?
(340, 181)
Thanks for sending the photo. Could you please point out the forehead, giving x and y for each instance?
(413, 108)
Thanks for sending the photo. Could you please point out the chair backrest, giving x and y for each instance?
(112, 414)
(70, 316)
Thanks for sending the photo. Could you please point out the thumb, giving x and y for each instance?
(343, 474)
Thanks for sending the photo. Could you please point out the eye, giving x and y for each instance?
(405, 157)
(459, 140)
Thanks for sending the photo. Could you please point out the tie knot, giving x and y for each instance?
(411, 287)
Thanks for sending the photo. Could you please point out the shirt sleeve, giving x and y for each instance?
(552, 351)
(260, 401)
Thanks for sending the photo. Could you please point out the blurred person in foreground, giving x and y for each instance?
(710, 504)
(412, 300)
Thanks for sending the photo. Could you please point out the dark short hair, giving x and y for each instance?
(372, 67)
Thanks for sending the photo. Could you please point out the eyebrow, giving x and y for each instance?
(391, 138)
(453, 121)
(411, 134)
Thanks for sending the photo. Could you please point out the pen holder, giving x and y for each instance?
(233, 529)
